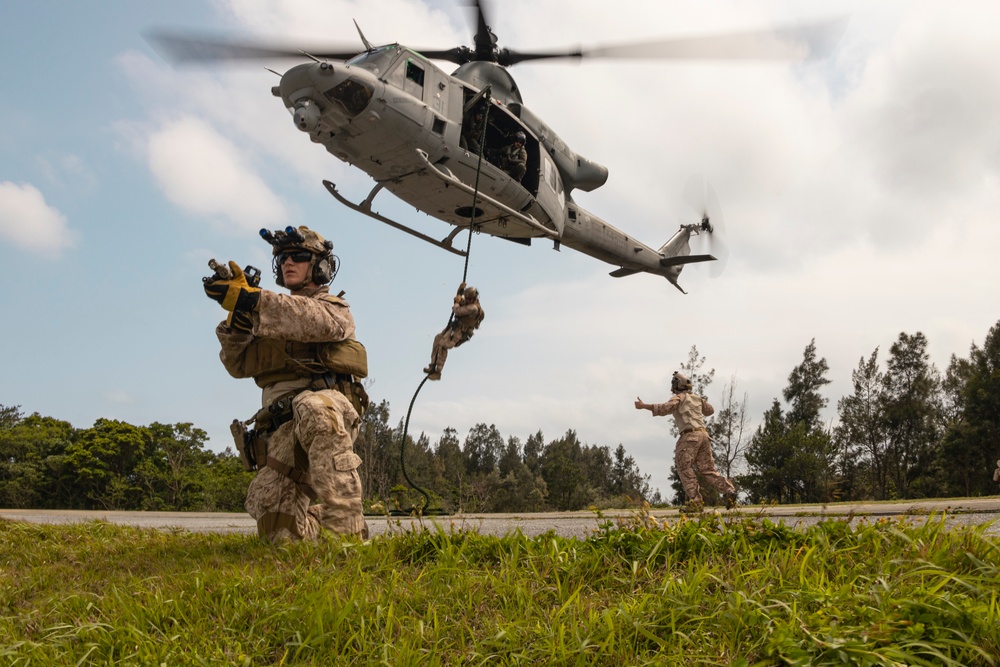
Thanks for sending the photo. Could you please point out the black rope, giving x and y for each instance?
(425, 510)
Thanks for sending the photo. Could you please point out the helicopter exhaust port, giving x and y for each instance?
(306, 115)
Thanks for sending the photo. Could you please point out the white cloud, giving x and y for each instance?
(203, 172)
(30, 223)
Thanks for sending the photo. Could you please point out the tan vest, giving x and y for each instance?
(270, 361)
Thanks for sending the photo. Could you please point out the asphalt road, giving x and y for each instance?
(957, 511)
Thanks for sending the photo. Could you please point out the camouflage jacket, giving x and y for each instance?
(688, 410)
(283, 351)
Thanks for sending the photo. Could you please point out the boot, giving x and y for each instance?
(730, 499)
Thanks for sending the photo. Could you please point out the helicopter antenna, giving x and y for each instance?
(311, 57)
(272, 71)
(368, 45)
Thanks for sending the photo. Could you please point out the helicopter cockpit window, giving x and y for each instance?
(352, 94)
(414, 73)
(377, 60)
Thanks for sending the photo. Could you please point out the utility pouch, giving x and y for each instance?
(355, 393)
(345, 357)
(244, 445)
(270, 417)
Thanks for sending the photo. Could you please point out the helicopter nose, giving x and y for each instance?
(306, 115)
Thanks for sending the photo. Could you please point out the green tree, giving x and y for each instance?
(533, 448)
(481, 452)
(482, 449)
(790, 458)
(103, 460)
(626, 480)
(32, 450)
(914, 418)
(802, 393)
(972, 443)
(767, 456)
(861, 433)
(174, 472)
(518, 490)
(225, 484)
(451, 479)
(563, 472)
(378, 447)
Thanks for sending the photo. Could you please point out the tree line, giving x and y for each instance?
(46, 463)
(905, 431)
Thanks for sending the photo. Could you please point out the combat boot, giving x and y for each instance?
(730, 500)
(693, 507)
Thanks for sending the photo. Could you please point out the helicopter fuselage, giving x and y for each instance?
(398, 117)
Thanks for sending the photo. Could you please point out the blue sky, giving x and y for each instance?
(860, 197)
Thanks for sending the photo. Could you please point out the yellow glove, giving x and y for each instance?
(240, 320)
(233, 293)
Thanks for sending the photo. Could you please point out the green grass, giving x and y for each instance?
(639, 591)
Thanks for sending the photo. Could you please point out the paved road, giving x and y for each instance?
(568, 524)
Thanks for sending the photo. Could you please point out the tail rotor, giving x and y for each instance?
(699, 195)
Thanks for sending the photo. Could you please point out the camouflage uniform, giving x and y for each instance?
(694, 448)
(996, 473)
(467, 315)
(514, 160)
(307, 453)
(472, 133)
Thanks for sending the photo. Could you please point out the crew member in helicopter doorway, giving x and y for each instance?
(514, 157)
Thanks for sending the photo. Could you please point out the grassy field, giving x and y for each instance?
(707, 591)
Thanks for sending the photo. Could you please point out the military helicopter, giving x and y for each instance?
(391, 112)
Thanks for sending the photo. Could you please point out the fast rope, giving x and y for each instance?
(425, 510)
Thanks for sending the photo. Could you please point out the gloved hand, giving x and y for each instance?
(240, 320)
(233, 293)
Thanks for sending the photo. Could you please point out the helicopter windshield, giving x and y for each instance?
(352, 94)
(377, 60)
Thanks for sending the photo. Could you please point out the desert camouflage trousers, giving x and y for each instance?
(324, 426)
(694, 453)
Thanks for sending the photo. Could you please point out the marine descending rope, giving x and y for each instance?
(425, 510)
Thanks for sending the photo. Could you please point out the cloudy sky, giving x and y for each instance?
(860, 195)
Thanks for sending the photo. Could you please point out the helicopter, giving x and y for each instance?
(390, 111)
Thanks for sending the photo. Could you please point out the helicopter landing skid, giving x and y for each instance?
(365, 207)
(450, 179)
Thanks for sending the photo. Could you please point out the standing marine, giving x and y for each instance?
(300, 349)
(693, 451)
(466, 316)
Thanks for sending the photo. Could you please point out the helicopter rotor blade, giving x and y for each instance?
(184, 49)
(701, 197)
(796, 42)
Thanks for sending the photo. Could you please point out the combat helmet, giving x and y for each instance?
(679, 383)
(470, 293)
(323, 266)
